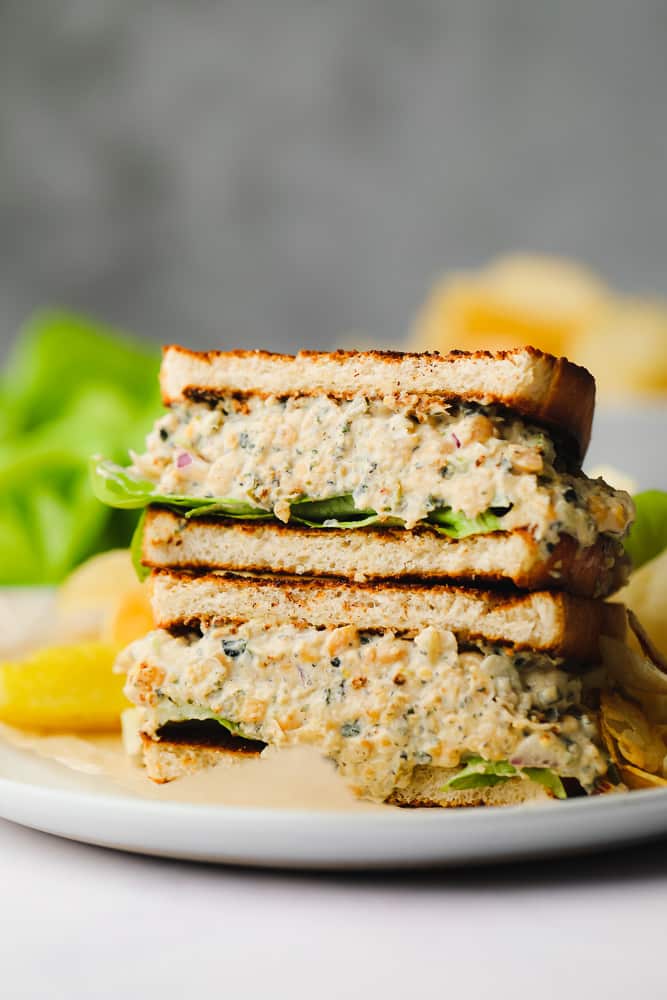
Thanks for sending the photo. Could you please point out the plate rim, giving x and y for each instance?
(610, 802)
(318, 839)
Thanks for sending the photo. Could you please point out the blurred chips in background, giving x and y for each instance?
(558, 306)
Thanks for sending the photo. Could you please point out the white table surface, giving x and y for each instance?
(80, 922)
(84, 922)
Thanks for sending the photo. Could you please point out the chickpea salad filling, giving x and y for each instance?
(333, 462)
(378, 704)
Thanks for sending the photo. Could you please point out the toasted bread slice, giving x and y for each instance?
(426, 789)
(549, 390)
(171, 541)
(546, 621)
(166, 761)
(183, 750)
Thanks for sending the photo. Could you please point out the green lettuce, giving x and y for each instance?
(115, 486)
(481, 773)
(336, 512)
(454, 524)
(231, 727)
(550, 780)
(648, 535)
(69, 388)
(341, 509)
(202, 715)
(137, 549)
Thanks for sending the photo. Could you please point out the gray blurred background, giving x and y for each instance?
(282, 172)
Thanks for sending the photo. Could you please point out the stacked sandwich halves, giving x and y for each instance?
(394, 558)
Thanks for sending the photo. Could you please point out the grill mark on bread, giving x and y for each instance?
(565, 445)
(587, 572)
(384, 355)
(549, 621)
(557, 393)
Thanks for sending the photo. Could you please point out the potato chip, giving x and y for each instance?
(653, 705)
(635, 778)
(608, 740)
(626, 727)
(646, 594)
(648, 647)
(130, 618)
(518, 300)
(98, 583)
(630, 668)
(555, 305)
(63, 688)
(103, 594)
(626, 348)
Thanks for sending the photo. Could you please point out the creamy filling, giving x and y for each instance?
(378, 705)
(399, 457)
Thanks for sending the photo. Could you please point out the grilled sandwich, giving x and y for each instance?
(461, 467)
(394, 558)
(419, 694)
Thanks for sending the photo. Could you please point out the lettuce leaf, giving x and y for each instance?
(337, 512)
(231, 727)
(550, 780)
(234, 728)
(137, 549)
(69, 388)
(455, 524)
(230, 508)
(481, 773)
(335, 508)
(354, 522)
(648, 535)
(115, 486)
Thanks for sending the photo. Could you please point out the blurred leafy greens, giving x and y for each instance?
(70, 387)
(648, 535)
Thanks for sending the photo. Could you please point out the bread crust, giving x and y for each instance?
(166, 761)
(549, 390)
(425, 790)
(546, 621)
(376, 553)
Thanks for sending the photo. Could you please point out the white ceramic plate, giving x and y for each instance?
(56, 801)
